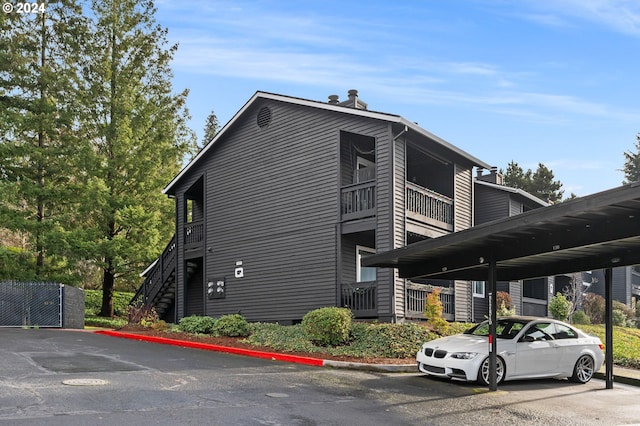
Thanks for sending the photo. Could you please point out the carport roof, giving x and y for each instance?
(598, 231)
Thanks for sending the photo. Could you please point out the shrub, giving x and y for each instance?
(433, 312)
(559, 307)
(579, 317)
(619, 318)
(93, 302)
(197, 324)
(502, 297)
(504, 311)
(231, 325)
(328, 326)
(594, 305)
(144, 315)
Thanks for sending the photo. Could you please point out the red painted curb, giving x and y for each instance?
(209, 347)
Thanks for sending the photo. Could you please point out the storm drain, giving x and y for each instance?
(85, 382)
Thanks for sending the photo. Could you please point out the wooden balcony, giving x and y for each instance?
(361, 298)
(193, 235)
(416, 296)
(358, 201)
(430, 207)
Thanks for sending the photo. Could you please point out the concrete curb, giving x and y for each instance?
(390, 368)
(626, 376)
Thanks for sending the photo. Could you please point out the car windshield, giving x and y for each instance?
(505, 328)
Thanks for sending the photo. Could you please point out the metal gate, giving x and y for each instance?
(30, 304)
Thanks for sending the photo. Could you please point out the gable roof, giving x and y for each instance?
(517, 191)
(391, 118)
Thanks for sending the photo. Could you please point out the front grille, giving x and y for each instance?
(428, 351)
(440, 354)
(432, 369)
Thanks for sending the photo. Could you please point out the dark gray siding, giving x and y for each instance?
(621, 284)
(490, 204)
(272, 204)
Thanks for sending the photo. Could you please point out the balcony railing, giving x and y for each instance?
(416, 296)
(358, 200)
(360, 298)
(193, 234)
(429, 207)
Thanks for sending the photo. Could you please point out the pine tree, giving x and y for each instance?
(540, 183)
(211, 128)
(38, 132)
(632, 164)
(139, 134)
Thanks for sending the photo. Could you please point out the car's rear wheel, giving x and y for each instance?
(583, 370)
(483, 372)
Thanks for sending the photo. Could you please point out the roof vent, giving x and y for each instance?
(334, 99)
(264, 117)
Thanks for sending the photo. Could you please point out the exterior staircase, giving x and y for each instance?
(159, 286)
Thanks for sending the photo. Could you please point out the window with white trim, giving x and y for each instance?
(478, 288)
(364, 273)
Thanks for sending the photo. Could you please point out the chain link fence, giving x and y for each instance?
(30, 304)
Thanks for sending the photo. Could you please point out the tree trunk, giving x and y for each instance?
(108, 280)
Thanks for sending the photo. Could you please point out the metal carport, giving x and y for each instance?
(599, 231)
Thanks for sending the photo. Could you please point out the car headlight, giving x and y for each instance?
(464, 355)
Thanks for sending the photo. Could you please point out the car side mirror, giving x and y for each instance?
(528, 339)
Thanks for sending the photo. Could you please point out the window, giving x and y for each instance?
(478, 288)
(364, 273)
(564, 332)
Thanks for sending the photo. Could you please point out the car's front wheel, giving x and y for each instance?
(483, 373)
(583, 370)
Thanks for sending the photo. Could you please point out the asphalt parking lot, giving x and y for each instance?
(64, 377)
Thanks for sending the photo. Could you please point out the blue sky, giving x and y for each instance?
(534, 81)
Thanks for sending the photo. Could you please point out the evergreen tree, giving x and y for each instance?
(38, 133)
(539, 183)
(632, 164)
(138, 130)
(211, 128)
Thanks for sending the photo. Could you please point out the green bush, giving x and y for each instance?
(328, 326)
(197, 324)
(105, 322)
(386, 340)
(619, 318)
(231, 325)
(559, 307)
(579, 317)
(93, 302)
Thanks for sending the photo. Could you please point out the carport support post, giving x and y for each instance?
(608, 316)
(493, 344)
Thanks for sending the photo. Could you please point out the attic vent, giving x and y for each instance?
(264, 117)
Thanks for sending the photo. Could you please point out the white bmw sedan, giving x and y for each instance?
(527, 348)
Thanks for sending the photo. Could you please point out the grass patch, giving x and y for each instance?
(626, 343)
